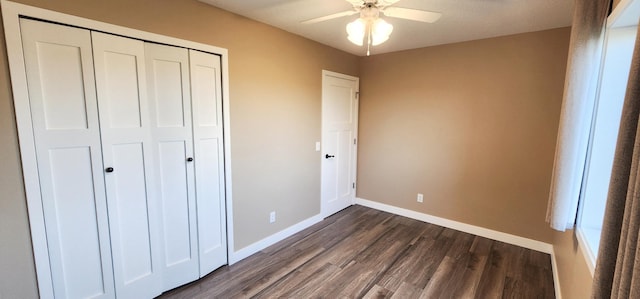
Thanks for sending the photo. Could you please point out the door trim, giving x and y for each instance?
(325, 74)
(11, 13)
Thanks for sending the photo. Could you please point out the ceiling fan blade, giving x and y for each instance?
(382, 3)
(331, 16)
(385, 3)
(355, 3)
(412, 14)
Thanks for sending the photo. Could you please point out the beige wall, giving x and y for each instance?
(573, 272)
(471, 125)
(275, 93)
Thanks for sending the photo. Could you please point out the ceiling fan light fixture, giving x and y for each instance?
(356, 31)
(380, 31)
(376, 31)
(369, 29)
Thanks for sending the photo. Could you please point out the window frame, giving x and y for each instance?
(623, 19)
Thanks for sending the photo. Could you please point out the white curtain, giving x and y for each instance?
(585, 52)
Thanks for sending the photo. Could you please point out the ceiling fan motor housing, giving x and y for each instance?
(369, 11)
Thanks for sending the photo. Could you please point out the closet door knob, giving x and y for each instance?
(189, 159)
(109, 169)
(327, 156)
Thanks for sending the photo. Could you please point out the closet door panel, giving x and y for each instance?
(133, 225)
(209, 153)
(170, 105)
(169, 98)
(73, 203)
(206, 79)
(123, 93)
(175, 205)
(128, 161)
(64, 115)
(213, 233)
(63, 103)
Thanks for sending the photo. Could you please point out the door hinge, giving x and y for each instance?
(354, 141)
(354, 185)
(357, 94)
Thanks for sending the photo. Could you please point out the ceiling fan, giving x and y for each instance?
(370, 25)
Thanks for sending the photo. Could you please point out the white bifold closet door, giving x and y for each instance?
(64, 115)
(186, 120)
(127, 151)
(170, 103)
(208, 146)
(129, 148)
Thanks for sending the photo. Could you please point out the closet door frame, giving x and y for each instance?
(11, 14)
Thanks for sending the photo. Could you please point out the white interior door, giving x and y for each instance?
(206, 94)
(128, 162)
(339, 141)
(170, 116)
(66, 132)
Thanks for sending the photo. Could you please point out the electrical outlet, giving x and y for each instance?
(420, 197)
(272, 217)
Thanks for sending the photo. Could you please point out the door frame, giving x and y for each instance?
(11, 13)
(325, 74)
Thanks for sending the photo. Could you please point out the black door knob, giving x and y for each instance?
(189, 159)
(109, 169)
(327, 156)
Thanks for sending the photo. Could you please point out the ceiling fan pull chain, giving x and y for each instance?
(369, 41)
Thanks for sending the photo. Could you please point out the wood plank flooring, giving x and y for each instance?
(364, 253)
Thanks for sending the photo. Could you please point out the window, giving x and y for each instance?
(620, 38)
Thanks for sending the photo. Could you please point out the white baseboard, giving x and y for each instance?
(459, 226)
(556, 276)
(245, 252)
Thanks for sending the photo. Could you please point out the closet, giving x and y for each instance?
(128, 140)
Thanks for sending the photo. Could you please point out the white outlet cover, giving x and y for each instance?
(272, 217)
(317, 146)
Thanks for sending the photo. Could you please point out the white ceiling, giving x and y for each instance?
(461, 20)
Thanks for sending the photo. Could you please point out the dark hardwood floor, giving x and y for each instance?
(364, 253)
